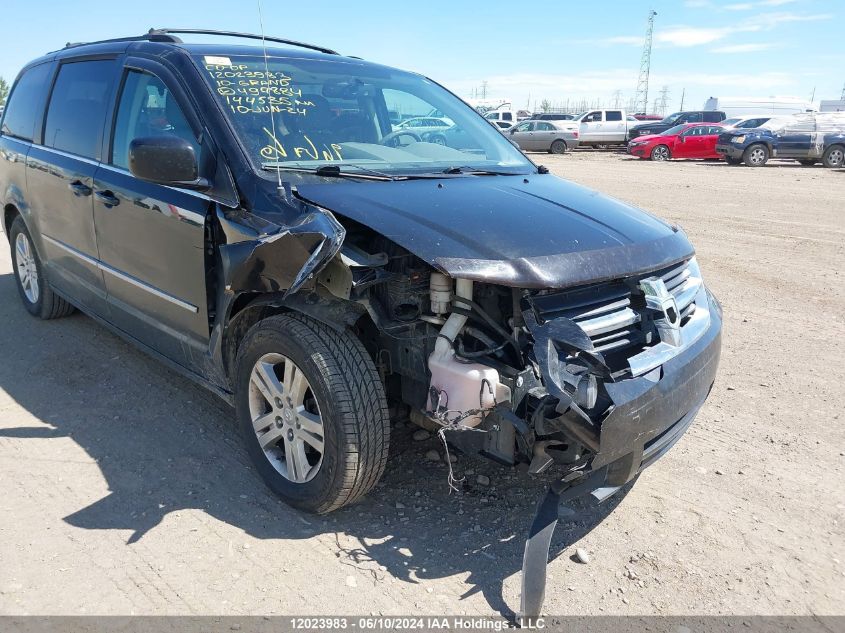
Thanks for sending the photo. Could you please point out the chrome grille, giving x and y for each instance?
(613, 314)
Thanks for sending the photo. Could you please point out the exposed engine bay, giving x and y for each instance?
(539, 372)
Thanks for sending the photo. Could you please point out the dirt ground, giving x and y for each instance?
(125, 489)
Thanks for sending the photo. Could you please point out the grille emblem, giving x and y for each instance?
(660, 300)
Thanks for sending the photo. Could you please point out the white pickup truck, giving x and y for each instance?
(604, 127)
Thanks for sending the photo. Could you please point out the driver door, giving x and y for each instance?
(523, 135)
(151, 237)
(592, 127)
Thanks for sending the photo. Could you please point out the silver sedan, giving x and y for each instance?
(556, 137)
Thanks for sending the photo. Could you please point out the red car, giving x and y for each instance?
(688, 140)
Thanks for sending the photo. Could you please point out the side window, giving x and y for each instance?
(25, 103)
(693, 117)
(146, 108)
(593, 117)
(78, 107)
(712, 117)
(507, 116)
(545, 127)
(614, 115)
(522, 127)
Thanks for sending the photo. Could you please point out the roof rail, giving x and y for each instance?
(152, 36)
(251, 36)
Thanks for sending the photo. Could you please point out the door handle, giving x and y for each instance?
(108, 199)
(79, 189)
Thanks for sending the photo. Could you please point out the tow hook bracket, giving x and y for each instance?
(535, 560)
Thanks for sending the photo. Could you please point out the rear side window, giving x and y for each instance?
(78, 107)
(147, 108)
(614, 115)
(713, 116)
(26, 102)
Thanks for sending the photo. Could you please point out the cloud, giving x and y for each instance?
(737, 6)
(742, 48)
(688, 36)
(587, 84)
(685, 36)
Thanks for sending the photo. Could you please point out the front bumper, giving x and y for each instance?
(650, 416)
(641, 151)
(730, 150)
(651, 411)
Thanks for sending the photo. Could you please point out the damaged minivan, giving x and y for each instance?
(252, 217)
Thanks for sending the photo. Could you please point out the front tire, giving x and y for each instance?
(661, 153)
(312, 412)
(756, 155)
(36, 295)
(834, 157)
(558, 147)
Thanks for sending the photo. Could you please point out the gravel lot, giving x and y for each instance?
(126, 491)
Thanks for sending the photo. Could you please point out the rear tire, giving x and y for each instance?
(340, 451)
(661, 153)
(38, 299)
(756, 156)
(834, 157)
(558, 147)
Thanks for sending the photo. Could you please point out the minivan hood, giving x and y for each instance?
(535, 231)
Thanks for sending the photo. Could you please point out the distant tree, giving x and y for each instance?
(4, 90)
(545, 105)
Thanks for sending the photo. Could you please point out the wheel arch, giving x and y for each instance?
(251, 308)
(10, 212)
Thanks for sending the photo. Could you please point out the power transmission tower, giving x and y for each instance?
(842, 97)
(664, 100)
(645, 65)
(617, 99)
(484, 89)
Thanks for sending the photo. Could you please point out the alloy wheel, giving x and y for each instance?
(757, 156)
(661, 152)
(286, 418)
(27, 268)
(836, 158)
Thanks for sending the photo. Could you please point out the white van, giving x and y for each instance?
(774, 106)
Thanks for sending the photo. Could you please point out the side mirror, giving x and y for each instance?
(166, 160)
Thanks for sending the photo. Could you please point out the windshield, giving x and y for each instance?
(309, 113)
(671, 118)
(728, 122)
(672, 131)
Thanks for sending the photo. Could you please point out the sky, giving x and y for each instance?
(589, 49)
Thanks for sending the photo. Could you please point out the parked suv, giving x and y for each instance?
(808, 138)
(255, 222)
(676, 118)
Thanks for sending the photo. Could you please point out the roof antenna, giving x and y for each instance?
(269, 104)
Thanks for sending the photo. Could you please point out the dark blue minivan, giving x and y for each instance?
(251, 217)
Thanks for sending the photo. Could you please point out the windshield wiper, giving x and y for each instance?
(332, 171)
(477, 172)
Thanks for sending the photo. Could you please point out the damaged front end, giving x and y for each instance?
(611, 374)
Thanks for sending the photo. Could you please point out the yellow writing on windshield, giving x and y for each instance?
(275, 149)
(254, 91)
